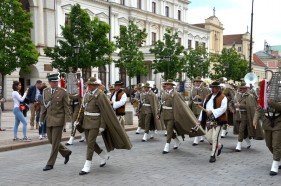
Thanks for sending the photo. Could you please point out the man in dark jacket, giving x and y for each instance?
(32, 96)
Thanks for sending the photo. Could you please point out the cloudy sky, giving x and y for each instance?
(235, 15)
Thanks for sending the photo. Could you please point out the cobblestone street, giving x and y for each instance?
(143, 165)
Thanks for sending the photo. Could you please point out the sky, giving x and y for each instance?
(235, 15)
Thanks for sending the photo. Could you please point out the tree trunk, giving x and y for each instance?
(130, 88)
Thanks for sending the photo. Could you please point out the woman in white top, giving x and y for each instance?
(19, 117)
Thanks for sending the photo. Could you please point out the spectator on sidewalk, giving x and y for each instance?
(32, 96)
(42, 129)
(155, 89)
(1, 100)
(18, 111)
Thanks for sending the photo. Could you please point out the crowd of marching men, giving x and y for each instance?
(91, 110)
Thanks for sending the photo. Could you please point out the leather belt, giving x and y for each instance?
(91, 114)
(146, 105)
(271, 114)
(167, 108)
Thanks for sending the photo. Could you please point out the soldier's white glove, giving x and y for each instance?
(41, 124)
(76, 123)
(101, 130)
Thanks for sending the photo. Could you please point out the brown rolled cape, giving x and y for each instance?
(185, 120)
(114, 136)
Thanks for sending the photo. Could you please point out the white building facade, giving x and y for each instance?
(154, 15)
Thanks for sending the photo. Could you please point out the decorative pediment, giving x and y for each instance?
(140, 24)
(180, 33)
(197, 37)
(190, 36)
(102, 15)
(123, 21)
(91, 14)
(154, 27)
(67, 7)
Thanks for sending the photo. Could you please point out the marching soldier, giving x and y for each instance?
(148, 111)
(229, 92)
(162, 92)
(213, 117)
(97, 117)
(56, 111)
(118, 101)
(245, 105)
(271, 124)
(177, 116)
(75, 104)
(198, 93)
(137, 103)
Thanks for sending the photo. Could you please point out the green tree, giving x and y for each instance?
(229, 64)
(170, 56)
(16, 47)
(89, 35)
(197, 62)
(131, 58)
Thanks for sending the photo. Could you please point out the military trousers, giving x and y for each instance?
(213, 136)
(92, 146)
(147, 120)
(170, 130)
(273, 142)
(54, 137)
(243, 130)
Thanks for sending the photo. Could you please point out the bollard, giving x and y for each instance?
(129, 118)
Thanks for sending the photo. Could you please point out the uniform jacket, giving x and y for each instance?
(193, 103)
(265, 120)
(55, 107)
(184, 118)
(114, 135)
(249, 103)
(151, 99)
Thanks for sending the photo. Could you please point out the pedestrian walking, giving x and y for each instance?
(56, 110)
(32, 96)
(18, 110)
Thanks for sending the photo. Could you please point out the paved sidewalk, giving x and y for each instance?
(6, 137)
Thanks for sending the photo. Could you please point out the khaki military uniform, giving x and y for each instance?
(244, 115)
(55, 109)
(271, 124)
(92, 121)
(75, 104)
(229, 93)
(148, 111)
(194, 102)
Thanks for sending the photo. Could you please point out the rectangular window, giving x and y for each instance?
(179, 15)
(239, 49)
(122, 2)
(203, 45)
(153, 38)
(167, 11)
(196, 44)
(153, 7)
(139, 4)
(189, 44)
(179, 40)
(66, 19)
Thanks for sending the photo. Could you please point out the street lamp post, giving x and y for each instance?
(251, 39)
(77, 49)
(265, 74)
